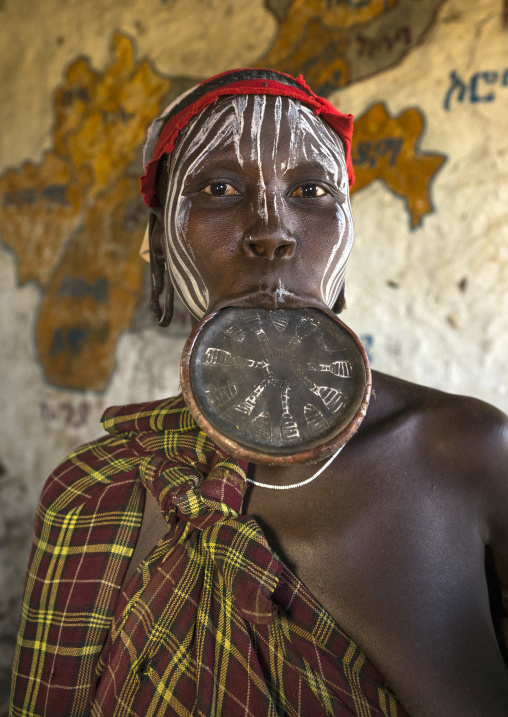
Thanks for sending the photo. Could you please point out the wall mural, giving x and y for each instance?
(337, 42)
(75, 220)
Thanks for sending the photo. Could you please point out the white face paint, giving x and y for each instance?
(221, 127)
(242, 122)
(326, 150)
(255, 152)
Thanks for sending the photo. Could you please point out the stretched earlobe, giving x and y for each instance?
(340, 303)
(159, 274)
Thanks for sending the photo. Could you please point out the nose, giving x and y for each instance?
(269, 246)
(267, 236)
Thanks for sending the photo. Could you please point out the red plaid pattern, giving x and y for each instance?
(212, 623)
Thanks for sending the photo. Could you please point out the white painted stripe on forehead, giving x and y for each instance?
(277, 119)
(239, 105)
(258, 115)
(319, 146)
(293, 117)
(220, 128)
(325, 149)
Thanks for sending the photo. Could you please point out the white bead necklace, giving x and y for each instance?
(303, 482)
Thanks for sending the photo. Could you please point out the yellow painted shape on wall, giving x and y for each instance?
(126, 99)
(386, 148)
(312, 26)
(40, 206)
(332, 15)
(72, 102)
(75, 221)
(319, 53)
(94, 292)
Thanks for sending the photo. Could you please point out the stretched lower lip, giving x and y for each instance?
(270, 300)
(259, 300)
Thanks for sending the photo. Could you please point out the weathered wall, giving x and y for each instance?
(428, 82)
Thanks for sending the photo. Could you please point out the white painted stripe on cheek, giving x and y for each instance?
(177, 266)
(330, 152)
(336, 269)
(316, 141)
(213, 132)
(188, 280)
(193, 300)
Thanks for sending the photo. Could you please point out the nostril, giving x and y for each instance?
(285, 250)
(257, 249)
(269, 248)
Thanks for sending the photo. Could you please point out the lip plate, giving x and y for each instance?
(313, 452)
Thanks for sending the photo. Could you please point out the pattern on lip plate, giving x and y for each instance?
(277, 381)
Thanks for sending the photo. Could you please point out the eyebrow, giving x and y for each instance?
(308, 167)
(220, 165)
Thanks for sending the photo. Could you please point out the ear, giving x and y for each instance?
(340, 302)
(156, 231)
(158, 269)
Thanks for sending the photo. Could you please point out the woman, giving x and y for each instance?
(207, 598)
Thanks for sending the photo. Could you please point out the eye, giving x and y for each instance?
(309, 191)
(220, 189)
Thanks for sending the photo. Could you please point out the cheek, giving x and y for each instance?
(338, 256)
(208, 238)
(326, 233)
(341, 226)
(210, 241)
(327, 244)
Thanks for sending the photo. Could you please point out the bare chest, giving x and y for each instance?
(388, 559)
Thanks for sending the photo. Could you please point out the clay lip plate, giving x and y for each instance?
(277, 387)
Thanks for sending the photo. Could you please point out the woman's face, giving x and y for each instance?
(257, 212)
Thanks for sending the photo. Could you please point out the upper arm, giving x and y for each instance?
(493, 464)
(476, 448)
(488, 458)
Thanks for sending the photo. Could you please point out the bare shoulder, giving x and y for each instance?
(464, 440)
(455, 427)
(392, 395)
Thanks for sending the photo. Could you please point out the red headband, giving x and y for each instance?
(342, 124)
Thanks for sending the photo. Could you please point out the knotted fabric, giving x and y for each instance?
(199, 488)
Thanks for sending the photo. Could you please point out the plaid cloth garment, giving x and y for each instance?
(211, 624)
